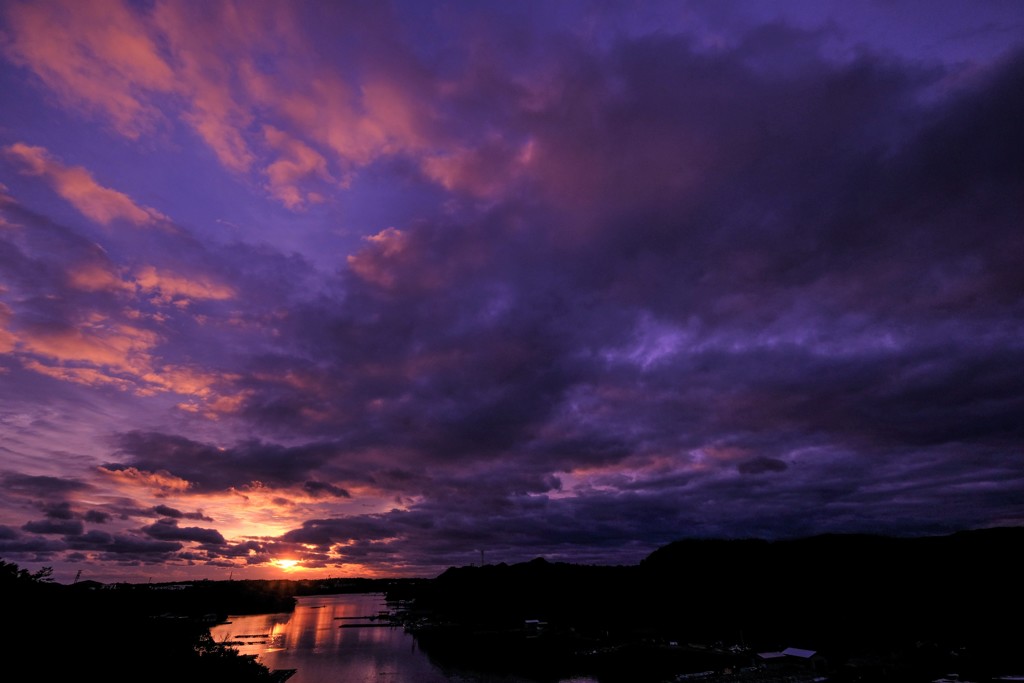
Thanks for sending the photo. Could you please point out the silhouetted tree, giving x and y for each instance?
(10, 573)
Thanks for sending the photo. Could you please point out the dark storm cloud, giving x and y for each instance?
(97, 516)
(123, 546)
(168, 530)
(67, 527)
(761, 465)
(91, 540)
(128, 509)
(42, 486)
(601, 528)
(244, 549)
(208, 468)
(33, 545)
(809, 263)
(784, 251)
(425, 377)
(919, 493)
(58, 510)
(669, 289)
(319, 488)
(166, 511)
(35, 258)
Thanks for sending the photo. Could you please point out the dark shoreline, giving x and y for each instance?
(873, 609)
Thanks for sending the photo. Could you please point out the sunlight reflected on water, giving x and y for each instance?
(332, 638)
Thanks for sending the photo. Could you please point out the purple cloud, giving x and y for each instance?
(65, 527)
(96, 516)
(507, 285)
(40, 485)
(166, 511)
(209, 469)
(168, 530)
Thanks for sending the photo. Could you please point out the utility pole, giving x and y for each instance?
(77, 577)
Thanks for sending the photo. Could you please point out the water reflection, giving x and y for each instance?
(332, 638)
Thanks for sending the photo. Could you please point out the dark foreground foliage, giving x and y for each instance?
(873, 609)
(87, 632)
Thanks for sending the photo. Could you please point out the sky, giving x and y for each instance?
(309, 289)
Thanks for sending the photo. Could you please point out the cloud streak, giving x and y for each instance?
(76, 185)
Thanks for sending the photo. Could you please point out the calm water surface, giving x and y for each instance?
(311, 639)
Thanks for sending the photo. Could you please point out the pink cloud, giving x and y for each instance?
(92, 377)
(349, 122)
(297, 163)
(375, 263)
(291, 121)
(172, 287)
(223, 136)
(134, 67)
(186, 380)
(100, 57)
(76, 185)
(96, 341)
(211, 43)
(96, 277)
(209, 392)
(7, 339)
(101, 353)
(6, 199)
(487, 170)
(394, 107)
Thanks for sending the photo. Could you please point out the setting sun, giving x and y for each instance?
(287, 565)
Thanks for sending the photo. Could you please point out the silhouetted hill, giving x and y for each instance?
(835, 589)
(922, 597)
(501, 596)
(911, 608)
(115, 634)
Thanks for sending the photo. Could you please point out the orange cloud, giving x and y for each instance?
(77, 186)
(210, 392)
(132, 477)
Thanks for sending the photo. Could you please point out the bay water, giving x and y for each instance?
(340, 639)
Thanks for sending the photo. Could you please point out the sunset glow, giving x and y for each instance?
(341, 287)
